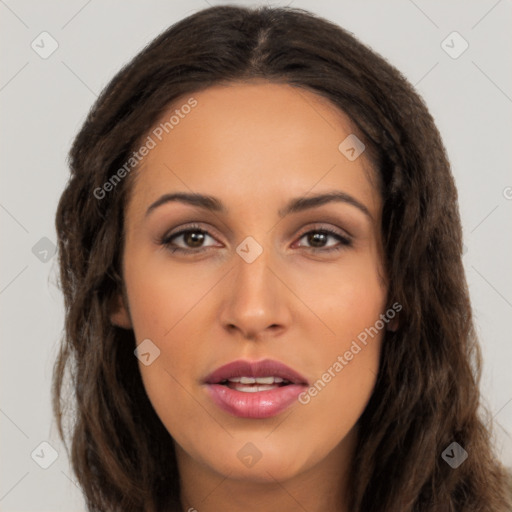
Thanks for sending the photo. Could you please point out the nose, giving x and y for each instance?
(257, 300)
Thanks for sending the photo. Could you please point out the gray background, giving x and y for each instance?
(44, 101)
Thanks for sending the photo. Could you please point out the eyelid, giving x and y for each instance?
(319, 226)
(183, 229)
(344, 239)
(195, 226)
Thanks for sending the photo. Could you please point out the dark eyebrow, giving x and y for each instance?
(207, 202)
(304, 203)
(295, 205)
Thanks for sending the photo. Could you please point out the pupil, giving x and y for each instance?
(195, 237)
(315, 238)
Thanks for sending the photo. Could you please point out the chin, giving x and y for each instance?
(259, 461)
(263, 472)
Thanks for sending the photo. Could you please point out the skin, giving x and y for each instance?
(256, 145)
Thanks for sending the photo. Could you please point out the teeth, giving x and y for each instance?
(255, 384)
(257, 380)
(265, 380)
(254, 389)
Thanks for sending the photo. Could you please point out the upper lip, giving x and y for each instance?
(264, 368)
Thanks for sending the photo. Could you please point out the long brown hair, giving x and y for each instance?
(427, 391)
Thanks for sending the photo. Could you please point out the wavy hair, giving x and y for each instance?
(427, 391)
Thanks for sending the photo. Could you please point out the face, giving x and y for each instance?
(254, 280)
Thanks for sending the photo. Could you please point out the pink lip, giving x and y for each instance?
(257, 405)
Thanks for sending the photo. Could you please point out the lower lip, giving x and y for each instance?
(258, 405)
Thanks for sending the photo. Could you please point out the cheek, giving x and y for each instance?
(168, 306)
(346, 367)
(162, 296)
(347, 297)
(338, 398)
(346, 362)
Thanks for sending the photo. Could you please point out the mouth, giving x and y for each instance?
(254, 384)
(254, 389)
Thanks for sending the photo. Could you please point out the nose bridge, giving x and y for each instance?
(252, 279)
(255, 294)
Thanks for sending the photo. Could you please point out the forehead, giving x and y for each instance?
(255, 139)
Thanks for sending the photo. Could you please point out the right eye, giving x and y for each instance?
(192, 237)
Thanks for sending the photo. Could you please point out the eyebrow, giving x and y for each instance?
(298, 204)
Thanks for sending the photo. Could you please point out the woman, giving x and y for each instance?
(266, 308)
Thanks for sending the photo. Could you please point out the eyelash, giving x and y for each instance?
(166, 240)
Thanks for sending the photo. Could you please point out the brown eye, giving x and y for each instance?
(191, 239)
(318, 238)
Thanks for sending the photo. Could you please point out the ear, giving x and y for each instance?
(393, 324)
(393, 314)
(119, 314)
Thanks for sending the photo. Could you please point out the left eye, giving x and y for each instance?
(320, 236)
